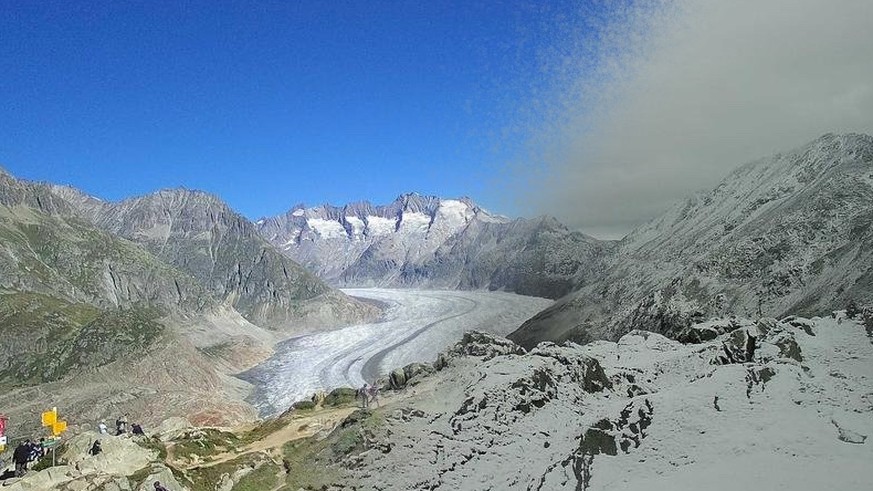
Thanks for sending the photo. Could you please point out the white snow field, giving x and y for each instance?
(417, 325)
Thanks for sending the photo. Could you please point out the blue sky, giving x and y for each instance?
(268, 104)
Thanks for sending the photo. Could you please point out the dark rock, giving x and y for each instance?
(788, 348)
(739, 347)
(397, 379)
(766, 325)
(340, 396)
(582, 369)
(417, 370)
(487, 346)
(441, 362)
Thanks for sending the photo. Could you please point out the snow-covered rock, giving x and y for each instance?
(644, 412)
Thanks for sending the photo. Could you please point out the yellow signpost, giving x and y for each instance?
(55, 425)
(50, 417)
(59, 427)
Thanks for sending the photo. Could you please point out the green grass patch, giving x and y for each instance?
(262, 478)
(316, 463)
(139, 477)
(206, 442)
(154, 444)
(208, 478)
(342, 396)
(47, 338)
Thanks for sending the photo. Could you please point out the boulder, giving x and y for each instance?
(121, 455)
(441, 362)
(486, 346)
(581, 369)
(340, 396)
(397, 379)
(707, 331)
(163, 475)
(417, 370)
(802, 323)
(738, 347)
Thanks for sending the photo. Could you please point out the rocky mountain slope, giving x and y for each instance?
(767, 404)
(788, 233)
(144, 306)
(644, 412)
(199, 234)
(425, 241)
(45, 247)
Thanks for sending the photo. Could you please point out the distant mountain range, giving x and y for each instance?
(426, 241)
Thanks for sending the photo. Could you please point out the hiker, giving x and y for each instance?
(136, 429)
(160, 487)
(102, 428)
(96, 449)
(364, 394)
(374, 394)
(121, 425)
(20, 456)
(33, 451)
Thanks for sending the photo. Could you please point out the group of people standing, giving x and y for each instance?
(30, 451)
(27, 452)
(121, 427)
(369, 394)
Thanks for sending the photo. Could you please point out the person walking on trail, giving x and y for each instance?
(374, 394)
(364, 394)
(160, 487)
(20, 456)
(102, 428)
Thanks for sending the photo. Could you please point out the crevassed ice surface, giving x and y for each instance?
(417, 325)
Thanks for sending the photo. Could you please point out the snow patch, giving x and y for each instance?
(455, 213)
(379, 226)
(327, 229)
(414, 222)
(357, 227)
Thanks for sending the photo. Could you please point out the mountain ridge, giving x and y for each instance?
(428, 241)
(785, 233)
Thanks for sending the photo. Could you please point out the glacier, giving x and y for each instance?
(416, 326)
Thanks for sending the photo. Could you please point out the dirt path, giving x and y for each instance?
(295, 429)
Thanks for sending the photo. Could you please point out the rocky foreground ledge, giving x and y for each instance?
(769, 404)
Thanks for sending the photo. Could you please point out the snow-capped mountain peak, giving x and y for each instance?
(419, 240)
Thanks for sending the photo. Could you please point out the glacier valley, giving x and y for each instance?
(416, 326)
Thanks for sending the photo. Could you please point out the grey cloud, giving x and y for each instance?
(683, 92)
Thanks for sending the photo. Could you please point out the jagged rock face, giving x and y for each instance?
(789, 233)
(199, 234)
(432, 242)
(645, 412)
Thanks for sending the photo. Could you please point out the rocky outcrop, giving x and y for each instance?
(484, 345)
(645, 411)
(124, 464)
